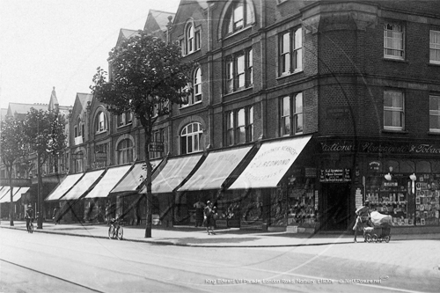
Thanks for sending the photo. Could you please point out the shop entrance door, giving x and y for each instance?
(335, 212)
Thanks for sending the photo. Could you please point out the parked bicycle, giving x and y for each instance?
(115, 230)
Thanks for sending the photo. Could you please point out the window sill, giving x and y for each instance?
(191, 53)
(395, 131)
(124, 125)
(237, 32)
(101, 131)
(238, 91)
(190, 105)
(289, 74)
(395, 60)
(433, 64)
(434, 133)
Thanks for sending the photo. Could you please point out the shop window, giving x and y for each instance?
(240, 126)
(290, 58)
(434, 47)
(423, 167)
(125, 151)
(407, 166)
(394, 41)
(394, 110)
(434, 113)
(291, 115)
(190, 138)
(239, 71)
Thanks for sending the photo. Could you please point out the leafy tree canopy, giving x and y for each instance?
(12, 144)
(147, 76)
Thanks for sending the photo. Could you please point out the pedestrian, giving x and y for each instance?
(55, 217)
(209, 213)
(363, 216)
(29, 216)
(199, 206)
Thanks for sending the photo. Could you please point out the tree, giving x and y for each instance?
(12, 149)
(147, 77)
(44, 132)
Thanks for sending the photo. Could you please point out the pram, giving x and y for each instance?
(380, 229)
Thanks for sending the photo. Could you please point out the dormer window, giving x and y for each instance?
(239, 16)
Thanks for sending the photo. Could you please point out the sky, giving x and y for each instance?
(61, 43)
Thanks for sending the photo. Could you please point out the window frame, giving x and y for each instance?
(124, 119)
(290, 56)
(292, 115)
(239, 74)
(158, 135)
(434, 113)
(394, 109)
(195, 97)
(233, 126)
(400, 29)
(191, 40)
(434, 46)
(101, 124)
(194, 137)
(125, 154)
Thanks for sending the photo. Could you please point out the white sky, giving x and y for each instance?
(60, 43)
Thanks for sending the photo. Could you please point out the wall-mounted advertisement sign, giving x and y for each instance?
(335, 175)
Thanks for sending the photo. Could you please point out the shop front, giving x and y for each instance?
(277, 188)
(398, 178)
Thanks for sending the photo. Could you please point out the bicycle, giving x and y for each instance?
(115, 231)
(30, 226)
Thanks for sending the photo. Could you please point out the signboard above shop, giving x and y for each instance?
(156, 147)
(335, 175)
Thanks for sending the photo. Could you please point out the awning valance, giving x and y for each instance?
(83, 185)
(173, 173)
(216, 168)
(64, 186)
(271, 163)
(134, 178)
(108, 182)
(5, 194)
(19, 192)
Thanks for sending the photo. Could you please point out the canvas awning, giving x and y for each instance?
(64, 186)
(271, 163)
(5, 194)
(17, 195)
(174, 172)
(216, 168)
(134, 178)
(83, 185)
(108, 182)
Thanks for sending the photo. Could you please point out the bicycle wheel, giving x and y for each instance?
(31, 228)
(111, 232)
(120, 233)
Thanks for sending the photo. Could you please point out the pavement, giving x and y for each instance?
(197, 237)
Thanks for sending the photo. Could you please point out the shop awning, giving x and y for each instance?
(64, 186)
(17, 195)
(216, 168)
(174, 172)
(83, 185)
(108, 182)
(271, 162)
(134, 178)
(5, 194)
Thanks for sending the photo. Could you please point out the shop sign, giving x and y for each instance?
(374, 166)
(335, 175)
(380, 147)
(100, 156)
(156, 147)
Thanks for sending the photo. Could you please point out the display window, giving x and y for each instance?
(302, 203)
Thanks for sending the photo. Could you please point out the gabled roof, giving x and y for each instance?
(158, 20)
(125, 34)
(21, 109)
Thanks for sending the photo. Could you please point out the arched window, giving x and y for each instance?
(101, 122)
(125, 151)
(239, 16)
(197, 84)
(190, 137)
(191, 39)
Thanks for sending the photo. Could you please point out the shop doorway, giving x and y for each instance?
(335, 208)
